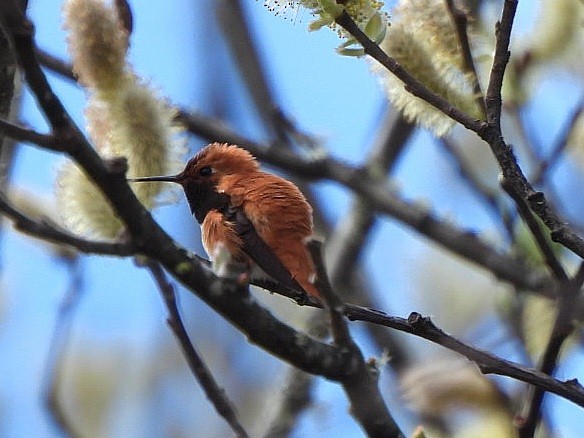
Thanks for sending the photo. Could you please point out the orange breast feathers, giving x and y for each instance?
(280, 215)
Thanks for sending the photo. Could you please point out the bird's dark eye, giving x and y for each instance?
(206, 171)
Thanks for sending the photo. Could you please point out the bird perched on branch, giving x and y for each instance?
(258, 218)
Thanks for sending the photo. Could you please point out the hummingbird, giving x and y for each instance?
(261, 220)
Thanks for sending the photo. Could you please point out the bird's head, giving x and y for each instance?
(203, 173)
(209, 165)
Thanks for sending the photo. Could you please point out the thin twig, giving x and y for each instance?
(346, 244)
(488, 363)
(367, 404)
(333, 303)
(559, 145)
(28, 135)
(44, 229)
(235, 28)
(563, 327)
(500, 60)
(55, 64)
(541, 240)
(412, 84)
(460, 20)
(423, 327)
(200, 370)
(296, 398)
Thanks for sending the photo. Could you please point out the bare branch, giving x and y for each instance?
(28, 135)
(367, 405)
(235, 28)
(201, 371)
(411, 83)
(49, 232)
(488, 363)
(460, 21)
(503, 34)
(559, 146)
(540, 238)
(55, 64)
(562, 329)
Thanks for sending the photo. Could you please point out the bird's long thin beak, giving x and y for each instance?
(172, 178)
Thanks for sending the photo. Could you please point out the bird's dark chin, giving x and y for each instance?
(204, 197)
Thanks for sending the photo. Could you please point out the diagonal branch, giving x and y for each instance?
(236, 30)
(367, 405)
(560, 144)
(563, 327)
(423, 327)
(203, 374)
(486, 194)
(488, 363)
(28, 135)
(502, 54)
(460, 21)
(541, 240)
(49, 232)
(412, 84)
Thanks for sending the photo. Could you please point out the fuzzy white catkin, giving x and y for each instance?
(97, 42)
(125, 117)
(422, 38)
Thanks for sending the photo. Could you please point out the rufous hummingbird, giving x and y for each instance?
(260, 219)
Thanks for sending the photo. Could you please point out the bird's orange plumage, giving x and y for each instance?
(276, 208)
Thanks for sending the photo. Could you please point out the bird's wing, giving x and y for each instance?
(254, 246)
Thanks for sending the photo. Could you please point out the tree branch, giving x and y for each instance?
(488, 196)
(199, 368)
(423, 327)
(502, 54)
(412, 84)
(541, 241)
(460, 21)
(49, 232)
(28, 135)
(563, 327)
(367, 405)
